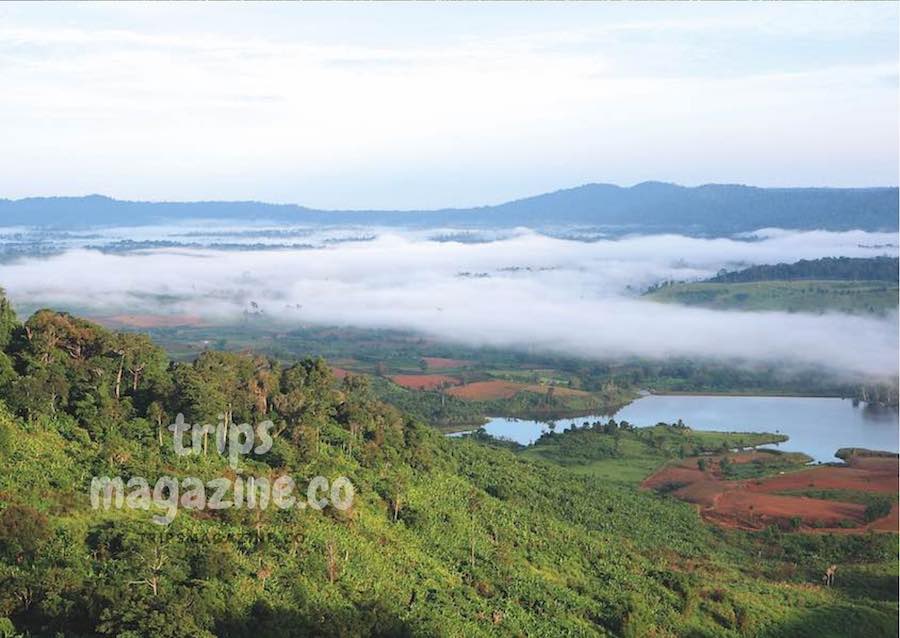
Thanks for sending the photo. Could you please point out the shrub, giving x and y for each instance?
(878, 508)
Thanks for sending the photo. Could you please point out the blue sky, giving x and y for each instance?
(428, 105)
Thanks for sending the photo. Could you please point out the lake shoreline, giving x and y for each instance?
(816, 426)
(774, 394)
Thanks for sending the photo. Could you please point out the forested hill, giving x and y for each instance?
(825, 269)
(445, 537)
(832, 284)
(713, 209)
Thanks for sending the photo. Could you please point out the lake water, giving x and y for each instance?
(816, 426)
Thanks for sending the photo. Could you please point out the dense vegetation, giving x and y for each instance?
(445, 538)
(433, 407)
(826, 268)
(379, 353)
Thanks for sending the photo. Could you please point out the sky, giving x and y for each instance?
(441, 104)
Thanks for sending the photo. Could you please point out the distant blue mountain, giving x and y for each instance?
(712, 209)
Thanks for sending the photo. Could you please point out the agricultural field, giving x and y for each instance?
(732, 483)
(488, 390)
(498, 389)
(461, 388)
(855, 297)
(790, 499)
(474, 383)
(423, 381)
(443, 363)
(629, 455)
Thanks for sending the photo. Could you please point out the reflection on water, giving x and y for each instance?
(817, 426)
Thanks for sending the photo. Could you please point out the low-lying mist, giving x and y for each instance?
(521, 290)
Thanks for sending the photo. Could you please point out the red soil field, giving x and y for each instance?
(753, 510)
(834, 478)
(439, 363)
(422, 381)
(755, 504)
(499, 389)
(890, 523)
(487, 390)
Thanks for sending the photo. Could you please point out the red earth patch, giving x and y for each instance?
(755, 504)
(423, 381)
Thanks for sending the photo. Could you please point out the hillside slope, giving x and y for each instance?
(831, 284)
(444, 538)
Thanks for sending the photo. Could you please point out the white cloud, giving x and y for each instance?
(574, 298)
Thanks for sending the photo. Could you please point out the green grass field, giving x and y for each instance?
(630, 456)
(858, 297)
(636, 464)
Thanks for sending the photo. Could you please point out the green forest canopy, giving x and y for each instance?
(826, 269)
(446, 537)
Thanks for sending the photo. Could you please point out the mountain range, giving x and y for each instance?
(712, 209)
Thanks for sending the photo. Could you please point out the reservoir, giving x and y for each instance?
(818, 426)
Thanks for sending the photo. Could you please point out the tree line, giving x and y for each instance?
(827, 268)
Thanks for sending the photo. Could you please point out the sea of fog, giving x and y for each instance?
(574, 291)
